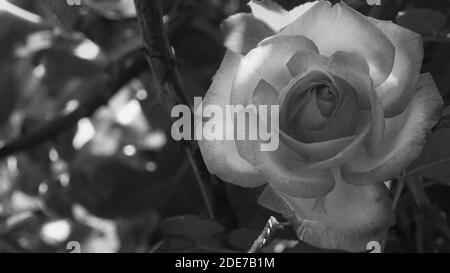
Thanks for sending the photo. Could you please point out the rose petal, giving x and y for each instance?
(276, 16)
(398, 89)
(354, 69)
(316, 151)
(340, 28)
(376, 133)
(308, 117)
(270, 12)
(294, 94)
(340, 125)
(403, 139)
(347, 218)
(268, 62)
(303, 61)
(248, 149)
(264, 94)
(345, 154)
(273, 165)
(243, 32)
(221, 157)
(302, 183)
(300, 10)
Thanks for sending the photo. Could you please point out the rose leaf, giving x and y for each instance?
(435, 158)
(191, 233)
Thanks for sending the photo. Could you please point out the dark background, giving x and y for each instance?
(116, 181)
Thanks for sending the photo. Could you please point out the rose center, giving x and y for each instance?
(325, 100)
(319, 108)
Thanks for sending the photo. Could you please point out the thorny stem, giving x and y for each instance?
(157, 48)
(161, 60)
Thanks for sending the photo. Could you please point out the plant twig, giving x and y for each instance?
(272, 225)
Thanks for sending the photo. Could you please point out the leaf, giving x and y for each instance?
(242, 238)
(426, 207)
(432, 214)
(190, 233)
(135, 232)
(200, 231)
(415, 185)
(435, 158)
(427, 22)
(444, 123)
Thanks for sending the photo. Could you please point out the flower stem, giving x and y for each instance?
(396, 199)
(398, 193)
(201, 183)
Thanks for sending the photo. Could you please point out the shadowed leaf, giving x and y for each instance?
(435, 158)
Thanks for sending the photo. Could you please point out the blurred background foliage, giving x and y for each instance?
(113, 179)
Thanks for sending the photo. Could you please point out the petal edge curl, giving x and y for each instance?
(268, 62)
(221, 156)
(398, 89)
(346, 219)
(340, 28)
(403, 139)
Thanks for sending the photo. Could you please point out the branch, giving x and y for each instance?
(122, 71)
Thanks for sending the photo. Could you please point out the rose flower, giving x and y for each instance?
(354, 113)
